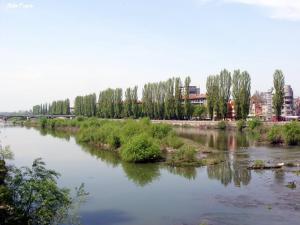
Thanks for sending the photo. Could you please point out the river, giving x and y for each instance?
(148, 194)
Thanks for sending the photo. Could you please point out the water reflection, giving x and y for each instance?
(220, 140)
(141, 174)
(233, 169)
(189, 173)
(55, 133)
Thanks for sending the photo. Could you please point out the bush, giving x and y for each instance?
(185, 154)
(222, 125)
(291, 133)
(80, 118)
(160, 131)
(140, 148)
(254, 123)
(275, 135)
(241, 124)
(43, 122)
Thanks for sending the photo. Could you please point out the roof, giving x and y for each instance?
(197, 96)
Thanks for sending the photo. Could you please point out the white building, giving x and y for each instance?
(267, 106)
(288, 105)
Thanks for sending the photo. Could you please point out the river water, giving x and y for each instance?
(153, 194)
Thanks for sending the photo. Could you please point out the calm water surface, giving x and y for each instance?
(129, 194)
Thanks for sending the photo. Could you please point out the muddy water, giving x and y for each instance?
(122, 193)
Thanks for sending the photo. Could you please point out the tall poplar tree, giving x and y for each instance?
(278, 98)
(187, 103)
(224, 91)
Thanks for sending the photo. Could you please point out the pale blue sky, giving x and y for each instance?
(53, 49)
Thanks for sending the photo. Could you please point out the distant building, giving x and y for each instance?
(288, 106)
(193, 90)
(267, 105)
(297, 106)
(198, 99)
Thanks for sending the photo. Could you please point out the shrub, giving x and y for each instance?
(43, 122)
(160, 131)
(222, 125)
(291, 133)
(140, 148)
(185, 154)
(114, 141)
(254, 123)
(241, 124)
(80, 118)
(275, 135)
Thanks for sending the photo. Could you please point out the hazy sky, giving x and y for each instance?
(55, 49)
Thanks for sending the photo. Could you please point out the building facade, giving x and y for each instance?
(297, 106)
(267, 105)
(288, 106)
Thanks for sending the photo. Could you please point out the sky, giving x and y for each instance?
(57, 49)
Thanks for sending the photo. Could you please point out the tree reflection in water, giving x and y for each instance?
(189, 173)
(233, 169)
(141, 174)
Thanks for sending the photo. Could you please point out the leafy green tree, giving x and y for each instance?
(236, 93)
(245, 95)
(135, 102)
(128, 103)
(278, 98)
(187, 103)
(241, 92)
(224, 91)
(118, 103)
(178, 99)
(200, 111)
(210, 96)
(32, 196)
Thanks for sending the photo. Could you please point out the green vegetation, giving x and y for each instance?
(85, 105)
(291, 133)
(241, 124)
(258, 164)
(61, 107)
(254, 123)
(135, 140)
(275, 135)
(278, 98)
(218, 92)
(224, 92)
(222, 125)
(241, 92)
(185, 156)
(32, 196)
(288, 134)
(291, 185)
(140, 148)
(200, 112)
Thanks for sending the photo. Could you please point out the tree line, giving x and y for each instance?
(221, 87)
(61, 107)
(170, 99)
(161, 100)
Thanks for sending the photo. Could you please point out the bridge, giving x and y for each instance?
(27, 117)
